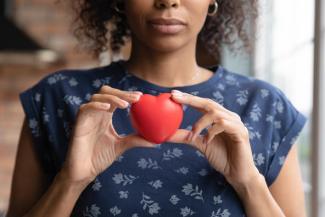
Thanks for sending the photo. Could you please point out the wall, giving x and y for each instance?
(48, 23)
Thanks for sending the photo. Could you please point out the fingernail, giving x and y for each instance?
(136, 97)
(136, 92)
(177, 93)
(106, 106)
(126, 103)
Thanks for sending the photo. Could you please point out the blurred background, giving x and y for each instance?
(35, 39)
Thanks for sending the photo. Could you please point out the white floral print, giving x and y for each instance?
(124, 179)
(167, 180)
(217, 199)
(97, 185)
(194, 192)
(148, 164)
(174, 199)
(92, 211)
(156, 184)
(56, 78)
(186, 211)
(115, 211)
(242, 97)
(148, 204)
(124, 194)
(175, 153)
(220, 213)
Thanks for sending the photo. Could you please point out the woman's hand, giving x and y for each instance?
(94, 144)
(226, 144)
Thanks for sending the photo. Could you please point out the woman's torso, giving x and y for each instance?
(171, 179)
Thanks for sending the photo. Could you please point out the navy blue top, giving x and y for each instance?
(171, 179)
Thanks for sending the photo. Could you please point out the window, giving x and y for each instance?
(284, 56)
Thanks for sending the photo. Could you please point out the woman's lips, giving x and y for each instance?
(167, 29)
(167, 26)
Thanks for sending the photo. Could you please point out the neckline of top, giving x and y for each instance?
(144, 84)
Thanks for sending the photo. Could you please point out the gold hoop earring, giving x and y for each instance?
(215, 9)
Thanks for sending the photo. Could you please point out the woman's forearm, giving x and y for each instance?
(59, 199)
(257, 199)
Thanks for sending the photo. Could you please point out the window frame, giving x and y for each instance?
(318, 117)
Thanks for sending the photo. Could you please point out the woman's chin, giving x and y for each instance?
(166, 45)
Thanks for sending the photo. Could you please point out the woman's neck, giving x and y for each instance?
(168, 69)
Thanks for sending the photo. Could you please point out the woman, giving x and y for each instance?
(234, 154)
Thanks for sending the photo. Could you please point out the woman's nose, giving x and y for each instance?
(166, 3)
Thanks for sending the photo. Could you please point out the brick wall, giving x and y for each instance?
(48, 23)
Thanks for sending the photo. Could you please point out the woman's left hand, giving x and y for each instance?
(226, 144)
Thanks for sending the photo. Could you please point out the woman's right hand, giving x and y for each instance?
(94, 144)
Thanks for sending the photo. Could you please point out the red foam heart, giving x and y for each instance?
(156, 118)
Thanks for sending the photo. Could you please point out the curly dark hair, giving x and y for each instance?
(97, 22)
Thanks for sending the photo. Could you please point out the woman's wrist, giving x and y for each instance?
(252, 184)
(256, 196)
(243, 185)
(65, 180)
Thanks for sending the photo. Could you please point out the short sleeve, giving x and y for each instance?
(288, 123)
(33, 101)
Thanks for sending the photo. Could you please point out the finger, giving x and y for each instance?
(214, 130)
(112, 129)
(129, 96)
(124, 97)
(206, 120)
(95, 106)
(113, 100)
(236, 131)
(196, 102)
(181, 136)
(135, 140)
(201, 104)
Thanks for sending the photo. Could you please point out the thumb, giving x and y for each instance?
(181, 136)
(135, 140)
